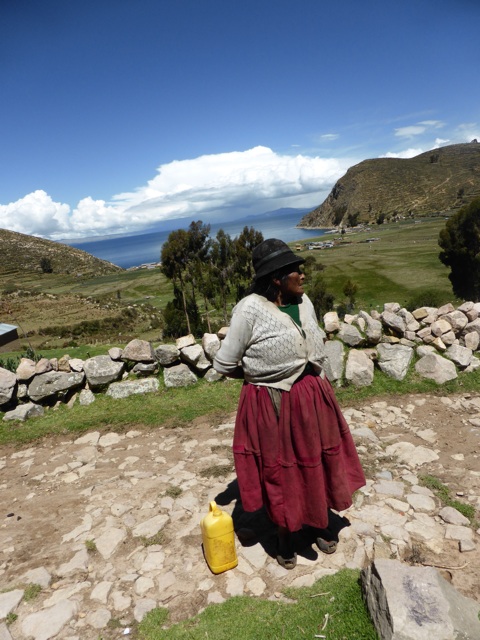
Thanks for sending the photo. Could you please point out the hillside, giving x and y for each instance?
(440, 180)
(23, 253)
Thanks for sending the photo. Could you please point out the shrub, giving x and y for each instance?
(425, 298)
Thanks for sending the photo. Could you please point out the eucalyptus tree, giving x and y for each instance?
(243, 272)
(460, 244)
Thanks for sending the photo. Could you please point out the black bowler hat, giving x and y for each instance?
(271, 255)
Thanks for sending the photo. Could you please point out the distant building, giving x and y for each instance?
(8, 333)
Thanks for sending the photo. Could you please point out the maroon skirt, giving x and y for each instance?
(297, 465)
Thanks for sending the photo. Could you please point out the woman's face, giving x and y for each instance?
(291, 284)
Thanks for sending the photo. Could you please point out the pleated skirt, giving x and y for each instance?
(299, 464)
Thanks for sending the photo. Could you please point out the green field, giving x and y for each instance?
(400, 263)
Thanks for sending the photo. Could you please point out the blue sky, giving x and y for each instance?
(115, 116)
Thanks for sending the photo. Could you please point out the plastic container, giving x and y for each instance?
(218, 540)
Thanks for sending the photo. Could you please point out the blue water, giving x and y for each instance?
(131, 251)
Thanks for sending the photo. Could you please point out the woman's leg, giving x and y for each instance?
(286, 556)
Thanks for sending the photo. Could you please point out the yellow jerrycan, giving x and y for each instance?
(218, 539)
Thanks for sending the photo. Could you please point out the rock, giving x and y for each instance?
(335, 357)
(373, 328)
(331, 322)
(452, 516)
(392, 321)
(63, 364)
(473, 326)
(54, 384)
(472, 340)
(391, 307)
(132, 387)
(115, 353)
(102, 370)
(9, 601)
(457, 319)
(25, 370)
(185, 341)
(76, 364)
(410, 454)
(138, 351)
(394, 360)
(436, 368)
(86, 397)
(210, 344)
(416, 603)
(47, 623)
(359, 369)
(461, 356)
(24, 411)
(350, 335)
(212, 375)
(144, 368)
(167, 354)
(43, 366)
(179, 376)
(195, 356)
(440, 326)
(421, 503)
(8, 382)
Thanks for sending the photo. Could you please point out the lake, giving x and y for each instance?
(132, 251)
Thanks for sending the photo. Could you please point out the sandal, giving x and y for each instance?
(286, 556)
(327, 546)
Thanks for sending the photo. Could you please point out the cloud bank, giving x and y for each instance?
(211, 187)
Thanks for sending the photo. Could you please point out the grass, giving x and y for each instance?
(388, 269)
(332, 607)
(170, 408)
(90, 546)
(177, 408)
(443, 494)
(31, 592)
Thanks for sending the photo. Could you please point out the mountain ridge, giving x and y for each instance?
(438, 180)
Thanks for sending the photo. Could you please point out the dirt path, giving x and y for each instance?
(108, 525)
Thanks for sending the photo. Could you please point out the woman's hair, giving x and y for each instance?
(266, 287)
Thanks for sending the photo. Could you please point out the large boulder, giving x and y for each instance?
(394, 322)
(359, 369)
(132, 387)
(436, 368)
(179, 376)
(334, 363)
(350, 335)
(8, 382)
(138, 351)
(167, 354)
(373, 328)
(394, 359)
(210, 344)
(24, 411)
(416, 603)
(102, 370)
(25, 370)
(331, 322)
(461, 356)
(54, 384)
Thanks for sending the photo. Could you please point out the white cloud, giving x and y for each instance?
(218, 186)
(418, 129)
(329, 136)
(440, 141)
(469, 131)
(35, 214)
(407, 153)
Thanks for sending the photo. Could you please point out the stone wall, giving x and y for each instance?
(438, 343)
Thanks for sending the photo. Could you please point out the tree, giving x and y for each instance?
(380, 219)
(460, 244)
(352, 219)
(350, 291)
(46, 265)
(243, 272)
(222, 260)
(321, 299)
(174, 259)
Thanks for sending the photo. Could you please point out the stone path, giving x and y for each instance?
(108, 524)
